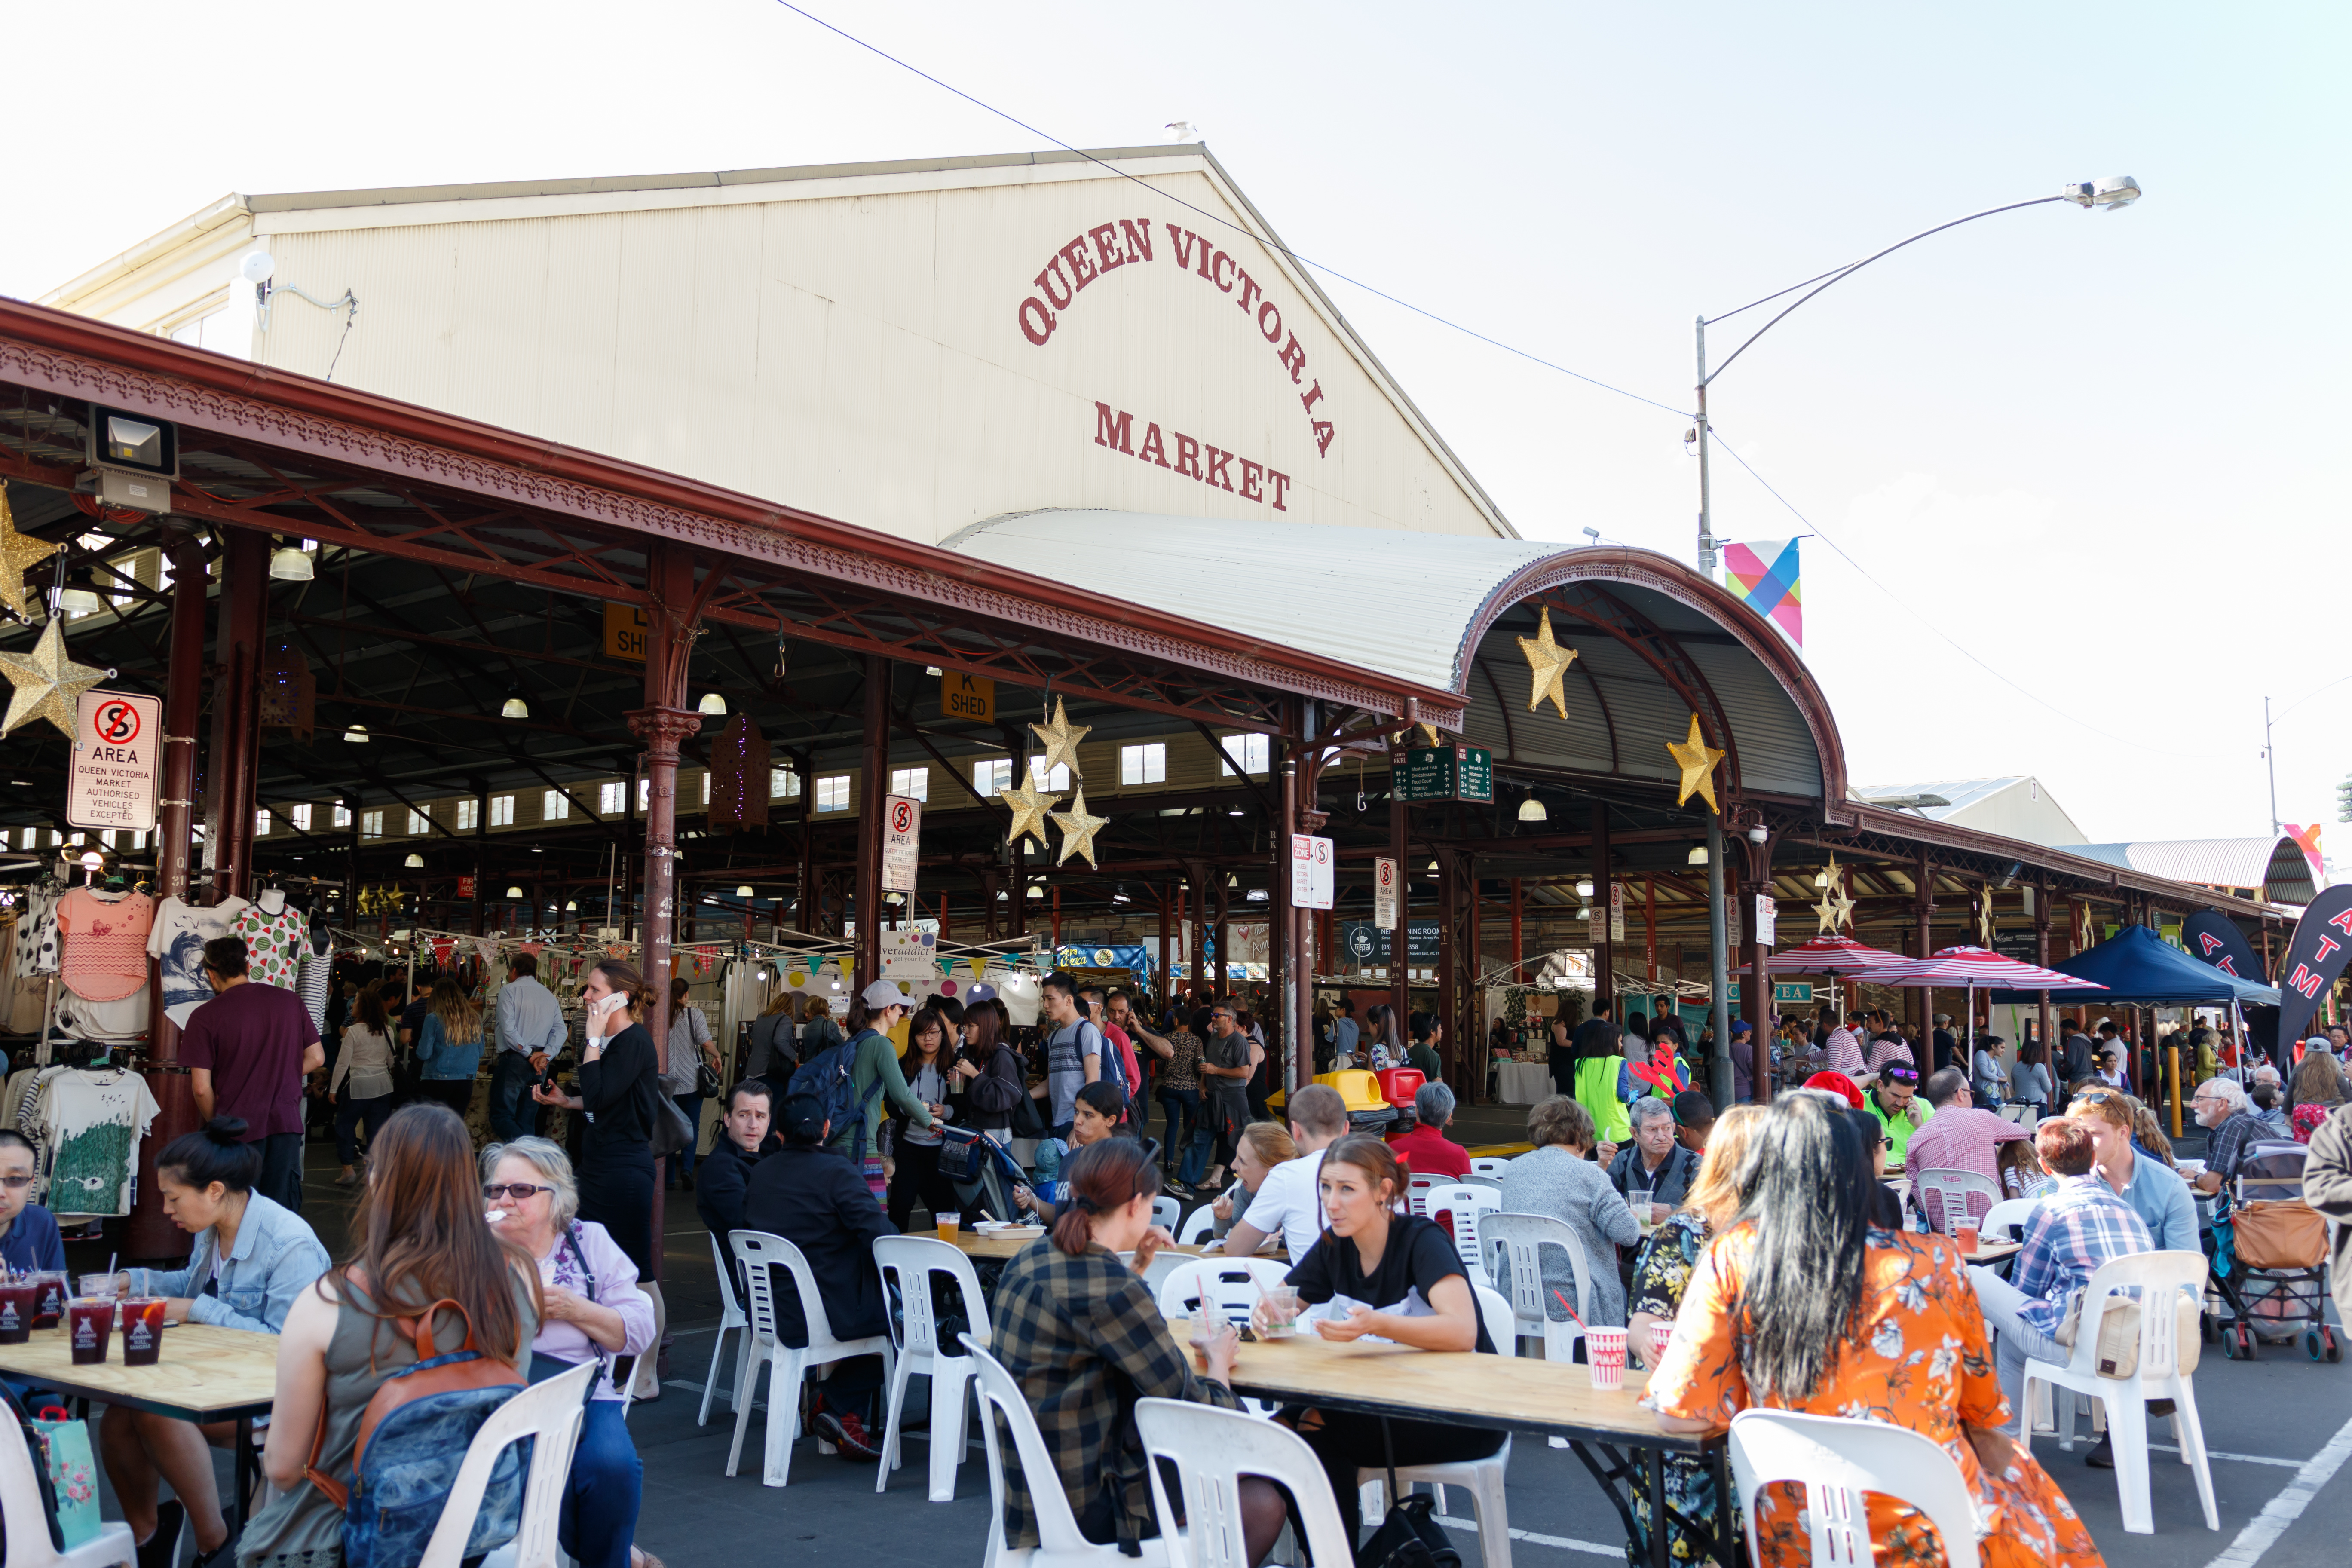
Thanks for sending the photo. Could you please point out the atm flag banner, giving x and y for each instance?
(1765, 574)
(2314, 957)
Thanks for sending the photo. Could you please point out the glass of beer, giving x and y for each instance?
(143, 1329)
(1966, 1233)
(90, 1324)
(950, 1226)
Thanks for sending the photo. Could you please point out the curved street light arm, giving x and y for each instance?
(1847, 272)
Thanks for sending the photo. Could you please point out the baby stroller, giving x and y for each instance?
(2268, 1279)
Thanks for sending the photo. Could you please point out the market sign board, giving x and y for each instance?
(1366, 943)
(118, 748)
(1784, 992)
(1384, 893)
(965, 696)
(625, 632)
(1448, 772)
(902, 842)
(1310, 872)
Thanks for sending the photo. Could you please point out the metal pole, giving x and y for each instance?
(1295, 995)
(1705, 507)
(875, 788)
(1718, 973)
(2269, 760)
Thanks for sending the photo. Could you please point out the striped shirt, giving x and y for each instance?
(1843, 1051)
(2079, 1226)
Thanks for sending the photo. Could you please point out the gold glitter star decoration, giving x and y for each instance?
(1835, 911)
(1029, 806)
(1697, 758)
(1078, 829)
(1062, 738)
(47, 684)
(1548, 662)
(18, 552)
(1984, 917)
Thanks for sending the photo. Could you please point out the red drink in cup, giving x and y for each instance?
(1966, 1234)
(19, 1300)
(143, 1329)
(49, 1298)
(1604, 1352)
(90, 1324)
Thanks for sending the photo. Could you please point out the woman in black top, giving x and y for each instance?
(993, 1076)
(1375, 1271)
(620, 1089)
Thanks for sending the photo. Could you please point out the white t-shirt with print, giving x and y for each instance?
(177, 945)
(1289, 1204)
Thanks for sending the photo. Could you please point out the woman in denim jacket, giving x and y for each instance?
(252, 1259)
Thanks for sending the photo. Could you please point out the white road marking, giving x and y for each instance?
(1565, 1542)
(2264, 1528)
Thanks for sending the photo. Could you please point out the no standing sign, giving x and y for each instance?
(118, 744)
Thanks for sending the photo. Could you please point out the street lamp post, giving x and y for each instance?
(2114, 192)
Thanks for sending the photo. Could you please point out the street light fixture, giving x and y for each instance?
(2116, 191)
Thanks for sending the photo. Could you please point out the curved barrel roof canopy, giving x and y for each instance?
(1436, 613)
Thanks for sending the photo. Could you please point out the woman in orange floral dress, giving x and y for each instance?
(1805, 1306)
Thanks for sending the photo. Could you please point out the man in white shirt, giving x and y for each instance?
(531, 1028)
(1290, 1200)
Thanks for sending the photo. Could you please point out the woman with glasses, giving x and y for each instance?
(592, 1310)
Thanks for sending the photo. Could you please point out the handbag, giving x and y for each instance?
(671, 1131)
(2118, 1347)
(960, 1158)
(705, 1079)
(1410, 1535)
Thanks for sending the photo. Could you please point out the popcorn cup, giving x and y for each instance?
(1604, 1352)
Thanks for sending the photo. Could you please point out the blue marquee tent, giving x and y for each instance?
(2138, 965)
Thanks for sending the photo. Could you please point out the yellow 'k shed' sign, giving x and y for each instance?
(625, 632)
(967, 697)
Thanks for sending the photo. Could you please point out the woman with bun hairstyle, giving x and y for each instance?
(252, 1260)
(620, 1089)
(419, 1237)
(1079, 1331)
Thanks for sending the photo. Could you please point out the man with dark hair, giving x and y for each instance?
(2073, 1231)
(246, 1052)
(28, 1234)
(747, 1138)
(1074, 1048)
(1225, 1067)
(1958, 1136)
(1944, 1044)
(1422, 1055)
(1693, 1119)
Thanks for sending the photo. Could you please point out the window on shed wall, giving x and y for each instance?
(470, 815)
(261, 823)
(299, 814)
(990, 776)
(833, 793)
(370, 824)
(915, 783)
(1252, 753)
(613, 797)
(1059, 779)
(342, 814)
(783, 785)
(420, 821)
(554, 805)
(1143, 764)
(502, 811)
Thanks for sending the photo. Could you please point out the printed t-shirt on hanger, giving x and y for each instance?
(105, 943)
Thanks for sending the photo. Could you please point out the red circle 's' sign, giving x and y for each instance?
(116, 722)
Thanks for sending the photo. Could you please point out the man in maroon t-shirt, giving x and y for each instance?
(246, 1052)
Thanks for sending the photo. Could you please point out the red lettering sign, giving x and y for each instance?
(2342, 921)
(1115, 430)
(2304, 983)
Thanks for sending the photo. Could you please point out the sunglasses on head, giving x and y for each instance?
(1900, 1075)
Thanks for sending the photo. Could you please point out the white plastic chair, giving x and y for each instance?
(759, 1252)
(1521, 1238)
(1230, 1285)
(1465, 1203)
(2002, 1220)
(1417, 1191)
(1059, 1544)
(731, 1317)
(28, 1544)
(1944, 1196)
(1488, 1167)
(1166, 1211)
(2157, 1277)
(909, 1261)
(1198, 1226)
(1837, 1460)
(548, 1413)
(1483, 1479)
(1211, 1449)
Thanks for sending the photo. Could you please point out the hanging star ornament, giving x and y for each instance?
(1835, 911)
(1062, 738)
(1697, 758)
(1548, 663)
(47, 683)
(1029, 806)
(1078, 829)
(18, 552)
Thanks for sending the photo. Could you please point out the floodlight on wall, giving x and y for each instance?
(287, 563)
(1532, 810)
(1584, 886)
(514, 707)
(514, 892)
(356, 735)
(711, 703)
(1698, 857)
(414, 862)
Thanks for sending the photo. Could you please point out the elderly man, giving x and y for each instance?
(2221, 1107)
(1426, 1149)
(2076, 1228)
(1655, 1162)
(1958, 1136)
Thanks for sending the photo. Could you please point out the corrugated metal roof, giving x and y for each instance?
(1961, 792)
(1396, 602)
(2276, 866)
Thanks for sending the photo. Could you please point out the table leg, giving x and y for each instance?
(1618, 1469)
(1727, 1511)
(246, 1472)
(1656, 1460)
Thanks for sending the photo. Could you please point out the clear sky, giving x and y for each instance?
(2089, 448)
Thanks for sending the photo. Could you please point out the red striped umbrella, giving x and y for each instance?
(1835, 955)
(1976, 969)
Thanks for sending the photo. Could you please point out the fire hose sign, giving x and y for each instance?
(118, 749)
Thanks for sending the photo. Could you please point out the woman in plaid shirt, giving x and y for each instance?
(1078, 1329)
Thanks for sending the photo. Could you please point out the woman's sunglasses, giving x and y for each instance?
(519, 1191)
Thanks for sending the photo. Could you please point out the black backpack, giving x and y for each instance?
(831, 1076)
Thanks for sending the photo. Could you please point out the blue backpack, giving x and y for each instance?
(831, 1076)
(411, 1440)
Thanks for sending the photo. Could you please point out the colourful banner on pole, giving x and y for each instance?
(1765, 574)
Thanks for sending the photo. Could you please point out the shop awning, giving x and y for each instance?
(2136, 965)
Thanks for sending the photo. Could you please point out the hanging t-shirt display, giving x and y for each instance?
(92, 1123)
(310, 984)
(36, 933)
(273, 944)
(177, 945)
(105, 943)
(110, 1023)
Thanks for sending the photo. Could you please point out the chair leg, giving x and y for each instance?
(890, 1423)
(747, 1380)
(791, 1366)
(948, 1405)
(2191, 1431)
(2126, 1414)
(1494, 1518)
(710, 1385)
